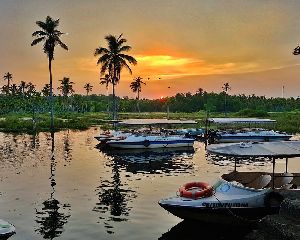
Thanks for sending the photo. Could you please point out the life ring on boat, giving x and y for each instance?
(146, 143)
(205, 190)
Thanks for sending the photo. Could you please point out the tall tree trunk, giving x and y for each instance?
(114, 102)
(51, 96)
(138, 101)
(225, 105)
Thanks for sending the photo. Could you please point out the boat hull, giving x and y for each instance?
(229, 216)
(151, 144)
(232, 139)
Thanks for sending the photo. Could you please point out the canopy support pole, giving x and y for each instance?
(286, 164)
(235, 164)
(273, 174)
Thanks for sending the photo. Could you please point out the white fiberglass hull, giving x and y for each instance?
(253, 137)
(230, 204)
(146, 142)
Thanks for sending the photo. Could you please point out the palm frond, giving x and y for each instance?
(38, 40)
(128, 58)
(125, 49)
(64, 46)
(39, 33)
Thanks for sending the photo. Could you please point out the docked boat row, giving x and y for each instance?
(152, 137)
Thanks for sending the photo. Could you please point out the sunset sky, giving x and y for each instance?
(180, 45)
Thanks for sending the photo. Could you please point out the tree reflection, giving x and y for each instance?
(53, 215)
(113, 198)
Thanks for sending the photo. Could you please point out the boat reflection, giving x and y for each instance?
(190, 230)
(53, 215)
(153, 161)
(228, 161)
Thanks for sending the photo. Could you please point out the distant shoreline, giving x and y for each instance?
(23, 123)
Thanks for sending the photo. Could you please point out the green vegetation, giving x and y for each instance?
(17, 122)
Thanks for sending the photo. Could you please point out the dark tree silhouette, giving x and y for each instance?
(88, 88)
(50, 36)
(66, 86)
(113, 60)
(226, 88)
(136, 86)
(7, 77)
(46, 90)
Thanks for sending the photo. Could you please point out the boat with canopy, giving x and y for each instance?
(250, 132)
(239, 197)
(147, 138)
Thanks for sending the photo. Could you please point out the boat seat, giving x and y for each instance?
(284, 181)
(260, 182)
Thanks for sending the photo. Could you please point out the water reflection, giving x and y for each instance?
(53, 215)
(153, 161)
(189, 230)
(227, 160)
(113, 199)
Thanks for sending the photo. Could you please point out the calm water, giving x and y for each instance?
(64, 187)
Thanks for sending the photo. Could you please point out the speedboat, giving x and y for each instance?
(256, 135)
(238, 197)
(151, 141)
(6, 229)
(190, 132)
(234, 134)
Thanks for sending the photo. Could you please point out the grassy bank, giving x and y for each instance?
(286, 121)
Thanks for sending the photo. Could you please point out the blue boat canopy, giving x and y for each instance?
(280, 149)
(239, 120)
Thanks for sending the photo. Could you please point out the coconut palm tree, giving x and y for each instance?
(113, 59)
(8, 77)
(226, 87)
(66, 87)
(46, 90)
(88, 87)
(50, 36)
(136, 86)
(22, 87)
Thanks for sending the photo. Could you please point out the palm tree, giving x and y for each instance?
(50, 36)
(22, 87)
(136, 86)
(8, 78)
(46, 90)
(113, 60)
(88, 87)
(66, 87)
(31, 89)
(226, 88)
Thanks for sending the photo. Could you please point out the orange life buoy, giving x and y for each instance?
(205, 190)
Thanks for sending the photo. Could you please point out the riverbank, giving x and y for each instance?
(286, 121)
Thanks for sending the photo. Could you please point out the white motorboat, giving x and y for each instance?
(6, 229)
(256, 135)
(151, 141)
(238, 197)
(146, 138)
(245, 134)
